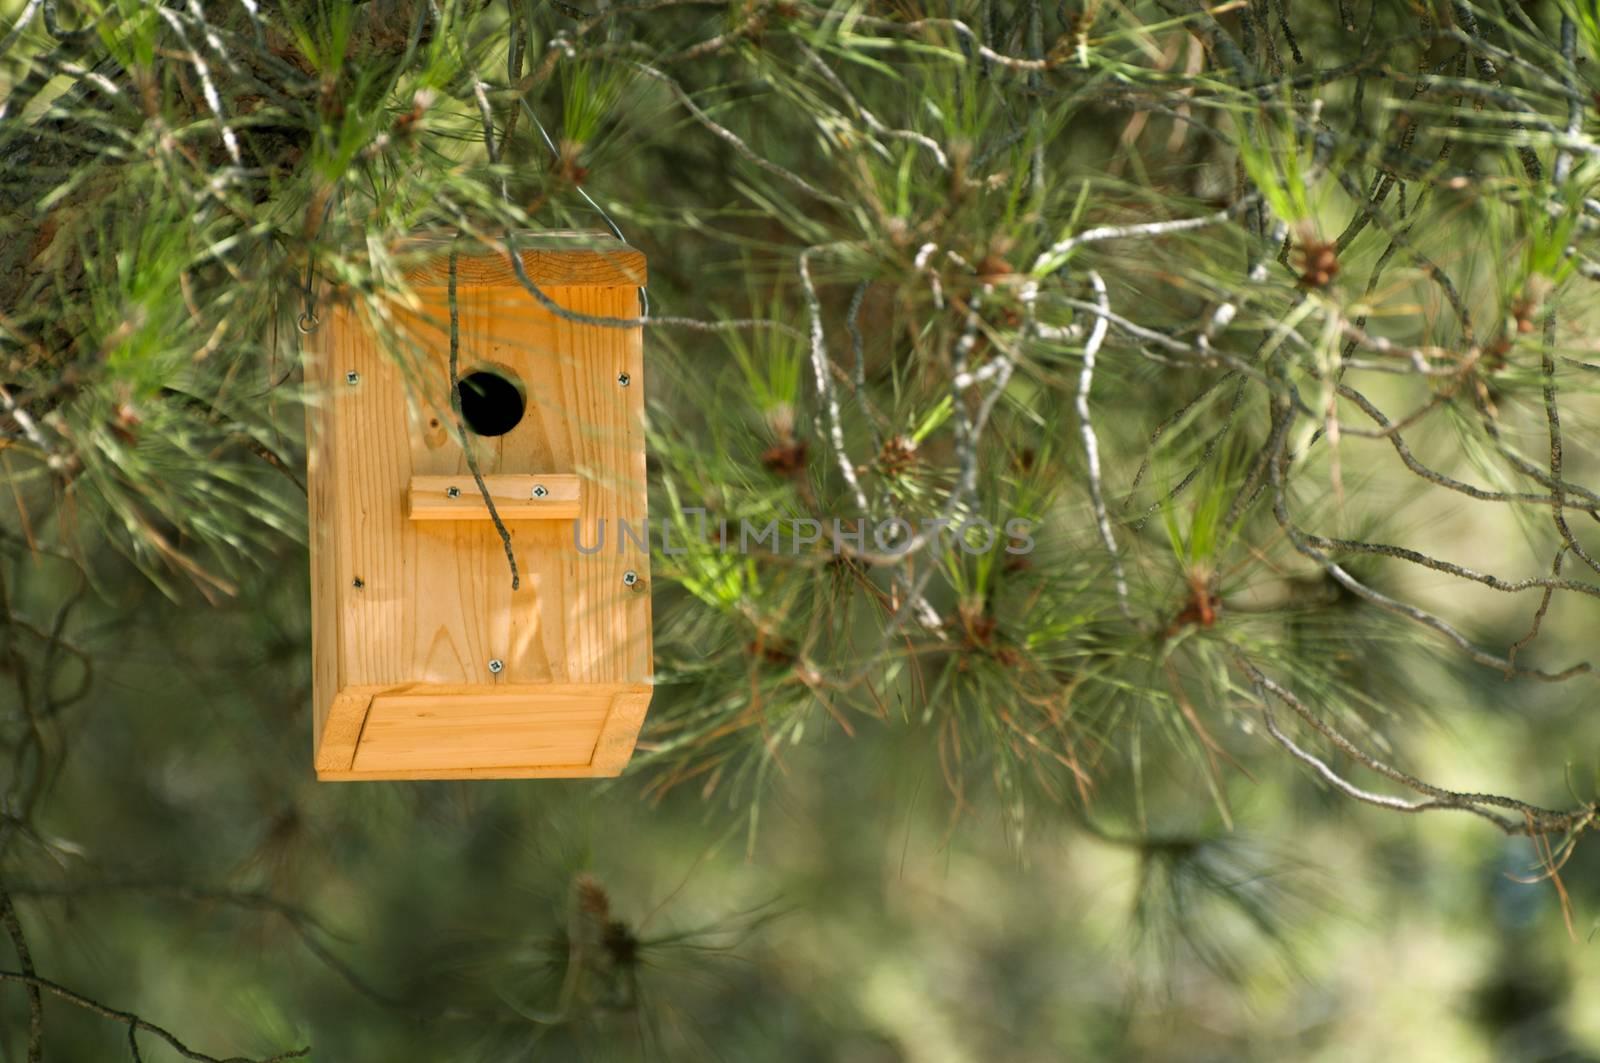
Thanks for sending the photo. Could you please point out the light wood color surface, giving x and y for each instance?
(571, 259)
(411, 591)
(430, 497)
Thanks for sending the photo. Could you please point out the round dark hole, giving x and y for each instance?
(490, 404)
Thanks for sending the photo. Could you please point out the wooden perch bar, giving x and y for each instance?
(516, 497)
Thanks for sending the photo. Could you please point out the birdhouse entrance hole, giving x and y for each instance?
(492, 403)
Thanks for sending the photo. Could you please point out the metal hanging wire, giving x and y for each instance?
(461, 424)
(308, 321)
(616, 230)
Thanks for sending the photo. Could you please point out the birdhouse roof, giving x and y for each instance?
(562, 258)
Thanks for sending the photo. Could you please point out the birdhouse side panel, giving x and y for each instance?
(322, 539)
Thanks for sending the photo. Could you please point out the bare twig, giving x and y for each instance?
(136, 1024)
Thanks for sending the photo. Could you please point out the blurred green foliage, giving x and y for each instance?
(906, 259)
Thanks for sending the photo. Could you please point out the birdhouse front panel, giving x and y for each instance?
(428, 664)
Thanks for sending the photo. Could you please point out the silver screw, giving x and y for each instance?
(497, 666)
(352, 378)
(624, 379)
(630, 577)
(452, 492)
(539, 490)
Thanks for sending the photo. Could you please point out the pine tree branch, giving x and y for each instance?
(136, 1024)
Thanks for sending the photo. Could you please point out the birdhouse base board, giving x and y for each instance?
(568, 730)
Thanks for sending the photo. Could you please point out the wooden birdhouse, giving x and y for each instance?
(427, 664)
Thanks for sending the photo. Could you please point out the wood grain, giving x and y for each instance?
(564, 259)
(413, 731)
(321, 460)
(341, 730)
(614, 747)
(429, 497)
(423, 606)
